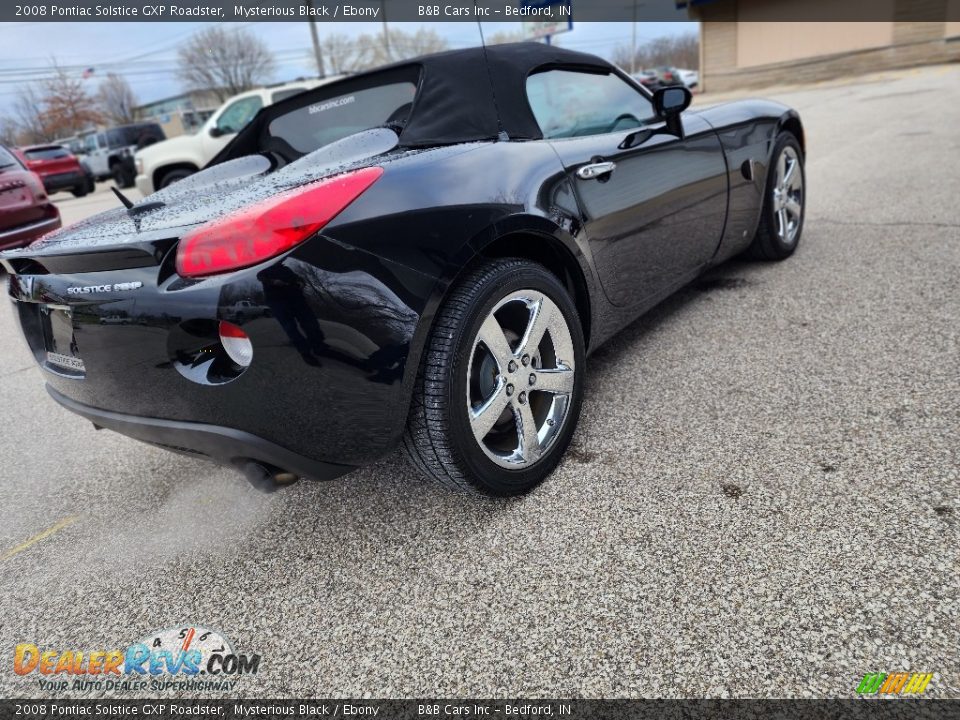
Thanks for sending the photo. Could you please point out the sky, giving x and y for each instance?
(145, 53)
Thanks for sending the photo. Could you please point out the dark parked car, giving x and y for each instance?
(26, 212)
(57, 167)
(424, 255)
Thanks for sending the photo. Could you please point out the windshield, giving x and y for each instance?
(46, 153)
(6, 158)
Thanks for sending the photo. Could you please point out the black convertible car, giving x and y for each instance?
(423, 254)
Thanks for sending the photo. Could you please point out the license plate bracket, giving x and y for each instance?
(63, 354)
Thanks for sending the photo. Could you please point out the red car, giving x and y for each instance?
(57, 167)
(26, 212)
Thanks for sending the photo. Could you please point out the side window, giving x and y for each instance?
(7, 158)
(101, 140)
(238, 114)
(568, 103)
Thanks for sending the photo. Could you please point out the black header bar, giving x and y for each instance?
(465, 11)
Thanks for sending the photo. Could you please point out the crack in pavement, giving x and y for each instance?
(898, 223)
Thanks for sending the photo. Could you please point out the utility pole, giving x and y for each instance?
(386, 32)
(633, 54)
(316, 41)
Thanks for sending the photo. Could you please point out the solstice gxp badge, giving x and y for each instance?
(184, 652)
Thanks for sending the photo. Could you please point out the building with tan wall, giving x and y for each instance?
(180, 114)
(746, 43)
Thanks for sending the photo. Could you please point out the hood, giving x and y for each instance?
(214, 192)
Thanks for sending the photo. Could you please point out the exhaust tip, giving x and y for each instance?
(266, 478)
(283, 479)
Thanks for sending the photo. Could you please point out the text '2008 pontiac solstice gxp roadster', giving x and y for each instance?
(421, 254)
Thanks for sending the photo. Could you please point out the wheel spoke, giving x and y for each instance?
(788, 177)
(529, 448)
(796, 182)
(558, 382)
(491, 335)
(782, 222)
(793, 207)
(485, 417)
(541, 316)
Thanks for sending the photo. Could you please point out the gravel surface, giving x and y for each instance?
(762, 499)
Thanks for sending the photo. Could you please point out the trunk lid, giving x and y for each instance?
(51, 160)
(208, 195)
(18, 198)
(54, 166)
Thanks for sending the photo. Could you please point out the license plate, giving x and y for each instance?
(61, 343)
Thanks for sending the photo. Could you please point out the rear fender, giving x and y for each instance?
(514, 236)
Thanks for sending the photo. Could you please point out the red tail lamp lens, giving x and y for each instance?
(271, 227)
(236, 343)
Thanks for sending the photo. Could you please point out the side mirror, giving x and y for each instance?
(216, 132)
(668, 103)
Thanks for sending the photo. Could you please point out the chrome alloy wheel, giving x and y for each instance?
(788, 195)
(520, 379)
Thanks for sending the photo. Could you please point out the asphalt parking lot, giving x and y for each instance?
(763, 498)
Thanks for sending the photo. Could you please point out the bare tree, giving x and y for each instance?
(503, 37)
(117, 99)
(67, 105)
(9, 131)
(53, 107)
(682, 51)
(29, 118)
(225, 61)
(341, 54)
(404, 45)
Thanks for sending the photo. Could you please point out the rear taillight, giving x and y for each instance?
(236, 344)
(271, 227)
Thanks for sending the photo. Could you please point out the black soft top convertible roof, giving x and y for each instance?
(456, 102)
(463, 95)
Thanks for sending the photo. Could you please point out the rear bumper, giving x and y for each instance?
(61, 181)
(25, 234)
(223, 445)
(331, 327)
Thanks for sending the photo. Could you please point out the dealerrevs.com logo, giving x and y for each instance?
(899, 683)
(187, 657)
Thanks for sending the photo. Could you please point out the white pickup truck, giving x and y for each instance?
(166, 162)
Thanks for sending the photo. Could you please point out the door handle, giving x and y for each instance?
(595, 170)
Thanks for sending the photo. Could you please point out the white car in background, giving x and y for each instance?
(166, 162)
(691, 78)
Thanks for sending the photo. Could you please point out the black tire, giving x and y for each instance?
(80, 190)
(439, 439)
(122, 176)
(768, 243)
(173, 176)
